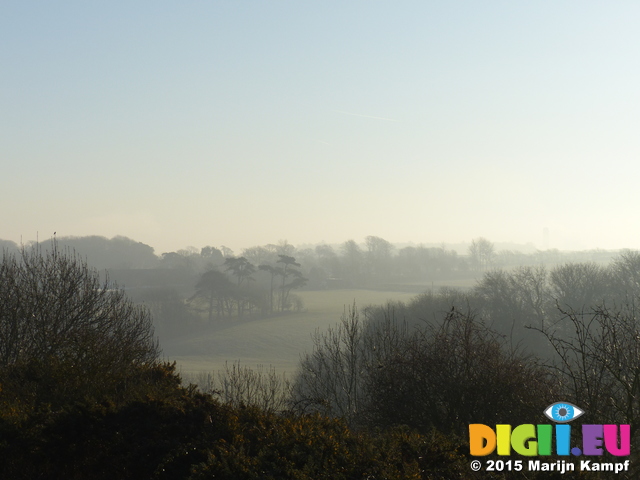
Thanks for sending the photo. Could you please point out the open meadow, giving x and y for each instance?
(277, 341)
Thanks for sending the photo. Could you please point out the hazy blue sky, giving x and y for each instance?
(244, 123)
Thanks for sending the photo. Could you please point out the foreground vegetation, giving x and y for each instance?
(388, 393)
(180, 434)
(83, 395)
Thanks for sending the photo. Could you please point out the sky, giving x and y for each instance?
(246, 123)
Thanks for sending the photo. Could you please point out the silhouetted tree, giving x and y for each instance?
(212, 255)
(445, 374)
(102, 253)
(284, 248)
(273, 272)
(598, 354)
(331, 380)
(242, 269)
(353, 261)
(259, 255)
(625, 271)
(288, 270)
(64, 333)
(379, 257)
(329, 260)
(216, 288)
(172, 316)
(182, 260)
(520, 297)
(580, 285)
(453, 373)
(481, 252)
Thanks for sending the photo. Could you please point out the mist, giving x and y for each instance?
(405, 218)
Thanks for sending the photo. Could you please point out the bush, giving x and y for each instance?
(192, 436)
(65, 335)
(240, 385)
(456, 373)
(438, 375)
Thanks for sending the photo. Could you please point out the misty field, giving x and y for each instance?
(278, 341)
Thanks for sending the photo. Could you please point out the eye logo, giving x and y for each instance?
(563, 412)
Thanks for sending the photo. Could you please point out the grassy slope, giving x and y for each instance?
(277, 341)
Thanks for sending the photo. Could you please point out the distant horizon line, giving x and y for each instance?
(455, 246)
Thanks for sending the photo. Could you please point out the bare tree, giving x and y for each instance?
(625, 271)
(579, 285)
(598, 355)
(598, 362)
(520, 296)
(353, 261)
(240, 385)
(482, 253)
(444, 374)
(331, 379)
(74, 333)
(378, 257)
(454, 372)
(338, 377)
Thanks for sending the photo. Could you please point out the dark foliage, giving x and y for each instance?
(192, 436)
(66, 335)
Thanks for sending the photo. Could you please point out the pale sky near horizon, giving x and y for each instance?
(245, 123)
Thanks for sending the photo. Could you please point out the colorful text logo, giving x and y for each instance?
(531, 440)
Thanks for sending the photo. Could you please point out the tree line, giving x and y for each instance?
(370, 263)
(235, 286)
(501, 352)
(517, 342)
(84, 394)
(376, 261)
(386, 393)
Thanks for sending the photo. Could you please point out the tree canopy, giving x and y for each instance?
(64, 332)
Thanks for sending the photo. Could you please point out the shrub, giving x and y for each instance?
(65, 335)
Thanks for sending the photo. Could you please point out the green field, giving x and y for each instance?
(278, 341)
